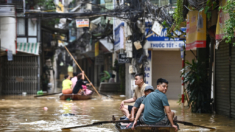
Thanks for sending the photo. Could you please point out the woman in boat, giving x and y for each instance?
(78, 87)
(74, 80)
(67, 85)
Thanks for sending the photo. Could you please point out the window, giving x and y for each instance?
(32, 27)
(21, 26)
(32, 40)
(27, 30)
(21, 40)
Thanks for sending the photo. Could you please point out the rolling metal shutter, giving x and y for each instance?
(20, 75)
(233, 81)
(222, 81)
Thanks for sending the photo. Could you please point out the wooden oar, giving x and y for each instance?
(127, 121)
(106, 95)
(96, 123)
(191, 124)
(81, 70)
(46, 94)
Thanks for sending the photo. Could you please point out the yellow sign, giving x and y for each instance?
(96, 48)
(60, 7)
(196, 30)
(222, 17)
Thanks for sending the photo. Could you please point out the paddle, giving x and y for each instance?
(105, 95)
(46, 94)
(127, 121)
(191, 124)
(97, 123)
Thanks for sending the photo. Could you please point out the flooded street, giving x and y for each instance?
(26, 113)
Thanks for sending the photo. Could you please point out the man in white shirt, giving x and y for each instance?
(139, 92)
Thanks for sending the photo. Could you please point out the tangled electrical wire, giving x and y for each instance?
(131, 11)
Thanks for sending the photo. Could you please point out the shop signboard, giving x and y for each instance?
(80, 23)
(123, 59)
(119, 37)
(162, 41)
(196, 30)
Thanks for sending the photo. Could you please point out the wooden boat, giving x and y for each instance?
(121, 127)
(75, 96)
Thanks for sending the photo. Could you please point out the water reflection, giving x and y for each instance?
(26, 113)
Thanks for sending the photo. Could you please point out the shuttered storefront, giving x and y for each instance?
(232, 81)
(20, 75)
(1, 64)
(222, 80)
(167, 65)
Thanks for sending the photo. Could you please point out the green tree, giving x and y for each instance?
(230, 23)
(198, 87)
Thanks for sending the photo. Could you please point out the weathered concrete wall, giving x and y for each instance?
(128, 91)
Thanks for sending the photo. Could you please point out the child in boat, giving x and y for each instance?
(66, 85)
(78, 87)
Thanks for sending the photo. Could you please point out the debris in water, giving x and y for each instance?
(45, 108)
(69, 114)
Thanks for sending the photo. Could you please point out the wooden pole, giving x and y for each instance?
(81, 70)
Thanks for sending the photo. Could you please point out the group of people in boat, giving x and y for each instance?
(151, 105)
(75, 85)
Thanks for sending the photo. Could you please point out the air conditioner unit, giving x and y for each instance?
(7, 10)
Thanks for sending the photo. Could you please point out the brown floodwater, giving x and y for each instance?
(26, 113)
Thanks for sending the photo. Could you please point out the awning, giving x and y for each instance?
(106, 46)
(31, 48)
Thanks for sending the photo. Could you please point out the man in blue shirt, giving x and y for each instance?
(154, 105)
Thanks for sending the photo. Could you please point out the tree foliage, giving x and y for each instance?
(198, 87)
(178, 15)
(47, 5)
(210, 5)
(230, 23)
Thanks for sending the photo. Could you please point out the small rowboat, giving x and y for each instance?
(144, 128)
(76, 96)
